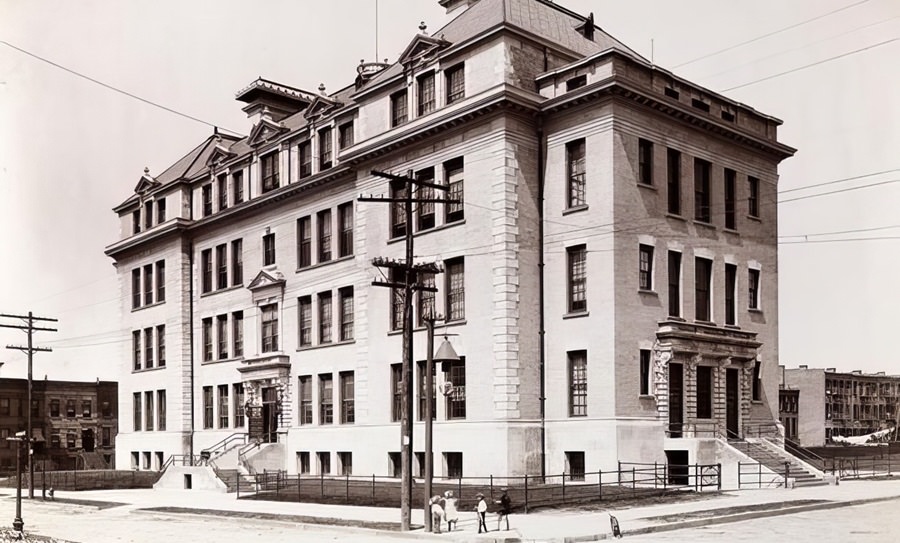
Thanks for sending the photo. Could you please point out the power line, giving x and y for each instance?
(880, 238)
(774, 32)
(838, 181)
(829, 59)
(838, 191)
(854, 231)
(116, 89)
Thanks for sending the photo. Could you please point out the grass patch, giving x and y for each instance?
(302, 519)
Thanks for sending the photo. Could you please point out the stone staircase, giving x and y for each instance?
(779, 461)
(230, 478)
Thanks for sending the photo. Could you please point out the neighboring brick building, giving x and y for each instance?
(834, 403)
(74, 424)
(615, 254)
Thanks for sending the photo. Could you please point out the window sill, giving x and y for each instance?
(754, 218)
(326, 263)
(438, 228)
(221, 290)
(676, 318)
(705, 323)
(646, 397)
(704, 224)
(146, 306)
(222, 360)
(731, 231)
(145, 370)
(575, 209)
(648, 292)
(757, 402)
(576, 314)
(647, 186)
(325, 345)
(755, 310)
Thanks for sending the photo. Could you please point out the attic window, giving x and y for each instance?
(576, 82)
(728, 116)
(700, 104)
(672, 93)
(586, 28)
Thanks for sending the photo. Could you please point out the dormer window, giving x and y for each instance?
(345, 135)
(269, 165)
(456, 83)
(325, 149)
(426, 94)
(305, 152)
(136, 221)
(700, 104)
(161, 211)
(672, 93)
(222, 182)
(576, 82)
(148, 215)
(207, 199)
(399, 108)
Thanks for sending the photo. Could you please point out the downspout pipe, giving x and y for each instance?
(542, 146)
(190, 247)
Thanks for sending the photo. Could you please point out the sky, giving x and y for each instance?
(72, 149)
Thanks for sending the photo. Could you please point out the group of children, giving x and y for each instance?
(445, 508)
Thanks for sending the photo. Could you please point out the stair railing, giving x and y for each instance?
(224, 445)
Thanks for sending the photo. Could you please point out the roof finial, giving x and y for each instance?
(322, 89)
(146, 170)
(422, 26)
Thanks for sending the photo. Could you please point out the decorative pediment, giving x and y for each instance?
(146, 183)
(220, 153)
(265, 130)
(422, 47)
(319, 107)
(266, 278)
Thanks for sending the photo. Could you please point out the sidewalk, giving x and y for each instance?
(558, 526)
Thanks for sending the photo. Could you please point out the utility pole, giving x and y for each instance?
(29, 329)
(410, 284)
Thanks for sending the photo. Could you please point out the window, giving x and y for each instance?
(396, 391)
(325, 149)
(702, 212)
(730, 176)
(54, 407)
(575, 465)
(420, 385)
(237, 262)
(237, 186)
(70, 441)
(305, 151)
(223, 406)
(397, 276)
(425, 210)
(346, 301)
(237, 391)
(306, 410)
(304, 305)
(148, 348)
(645, 371)
(757, 384)
(646, 267)
(237, 333)
(399, 108)
(148, 284)
(161, 281)
(674, 284)
(575, 159)
(345, 223)
(323, 220)
(704, 392)
(105, 439)
(86, 409)
(325, 317)
(304, 242)
(324, 462)
(578, 383)
(148, 215)
(303, 462)
(326, 399)
(753, 289)
(456, 83)
(222, 182)
(269, 328)
(346, 462)
(730, 293)
(398, 210)
(425, 298)
(207, 197)
(700, 104)
(160, 411)
(269, 164)
(208, 407)
(426, 94)
(454, 464)
(136, 349)
(161, 211)
(222, 336)
(672, 93)
(456, 401)
(207, 337)
(35, 408)
(577, 288)
(645, 162)
(348, 413)
(702, 277)
(576, 82)
(148, 410)
(206, 270)
(136, 221)
(136, 411)
(161, 345)
(673, 183)
(453, 173)
(455, 303)
(135, 288)
(221, 266)
(268, 249)
(753, 197)
(345, 135)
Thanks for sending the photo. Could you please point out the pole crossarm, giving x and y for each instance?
(410, 180)
(390, 284)
(26, 317)
(28, 328)
(32, 349)
(405, 200)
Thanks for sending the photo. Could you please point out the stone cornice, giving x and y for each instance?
(148, 236)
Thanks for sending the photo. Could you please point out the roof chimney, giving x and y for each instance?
(453, 6)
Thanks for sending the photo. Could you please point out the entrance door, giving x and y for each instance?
(269, 415)
(732, 403)
(676, 399)
(87, 439)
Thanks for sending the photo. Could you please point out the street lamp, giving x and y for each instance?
(445, 353)
(18, 524)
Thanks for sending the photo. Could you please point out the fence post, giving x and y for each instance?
(620, 472)
(719, 475)
(459, 488)
(237, 483)
(666, 475)
(759, 478)
(373, 489)
(889, 459)
(655, 474)
(526, 494)
(696, 478)
(633, 479)
(492, 488)
(787, 473)
(564, 486)
(600, 484)
(348, 487)
(299, 496)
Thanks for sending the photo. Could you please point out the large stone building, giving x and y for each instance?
(832, 403)
(73, 423)
(610, 277)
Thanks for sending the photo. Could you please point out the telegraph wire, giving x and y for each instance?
(854, 231)
(769, 34)
(118, 90)
(838, 191)
(838, 181)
